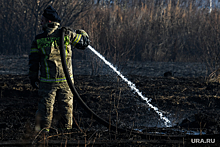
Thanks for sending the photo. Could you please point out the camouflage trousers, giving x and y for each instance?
(48, 92)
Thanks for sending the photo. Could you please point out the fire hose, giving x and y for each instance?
(84, 105)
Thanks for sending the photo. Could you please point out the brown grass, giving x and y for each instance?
(157, 33)
(124, 31)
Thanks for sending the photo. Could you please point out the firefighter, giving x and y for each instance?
(45, 68)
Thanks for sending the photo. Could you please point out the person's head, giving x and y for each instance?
(50, 15)
(44, 20)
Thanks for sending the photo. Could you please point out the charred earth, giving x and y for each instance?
(191, 104)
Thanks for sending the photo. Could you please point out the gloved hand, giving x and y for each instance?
(34, 82)
(86, 41)
(85, 37)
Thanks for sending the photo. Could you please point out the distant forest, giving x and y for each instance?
(121, 30)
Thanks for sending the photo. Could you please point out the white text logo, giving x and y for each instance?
(203, 140)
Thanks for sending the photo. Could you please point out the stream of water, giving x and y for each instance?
(133, 88)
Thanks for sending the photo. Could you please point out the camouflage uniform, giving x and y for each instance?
(45, 57)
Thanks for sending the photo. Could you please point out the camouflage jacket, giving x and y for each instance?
(45, 53)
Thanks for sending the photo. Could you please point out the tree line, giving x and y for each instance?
(122, 30)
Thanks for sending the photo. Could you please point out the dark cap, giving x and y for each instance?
(51, 14)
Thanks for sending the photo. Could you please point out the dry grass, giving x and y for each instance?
(124, 31)
(158, 33)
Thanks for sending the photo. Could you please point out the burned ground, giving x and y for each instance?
(191, 104)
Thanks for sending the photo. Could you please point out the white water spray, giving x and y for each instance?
(133, 87)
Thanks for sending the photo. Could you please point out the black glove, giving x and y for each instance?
(85, 39)
(34, 83)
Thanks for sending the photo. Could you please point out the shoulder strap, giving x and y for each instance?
(67, 30)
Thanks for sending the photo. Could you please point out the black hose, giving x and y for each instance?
(88, 110)
(76, 94)
(95, 116)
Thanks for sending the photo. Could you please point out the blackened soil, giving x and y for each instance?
(189, 103)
